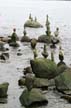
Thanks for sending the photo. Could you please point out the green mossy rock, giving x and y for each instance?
(44, 39)
(63, 81)
(14, 44)
(32, 24)
(3, 90)
(44, 68)
(41, 83)
(32, 97)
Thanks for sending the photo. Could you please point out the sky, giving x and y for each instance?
(18, 2)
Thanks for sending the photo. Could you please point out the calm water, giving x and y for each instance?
(14, 16)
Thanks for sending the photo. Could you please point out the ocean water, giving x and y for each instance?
(13, 15)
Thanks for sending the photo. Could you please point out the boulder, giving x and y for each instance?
(3, 90)
(38, 83)
(63, 81)
(32, 24)
(44, 68)
(25, 39)
(14, 44)
(41, 83)
(44, 39)
(33, 97)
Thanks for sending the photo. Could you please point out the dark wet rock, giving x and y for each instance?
(35, 96)
(3, 90)
(19, 54)
(4, 56)
(61, 63)
(44, 68)
(53, 46)
(14, 36)
(25, 39)
(14, 44)
(32, 23)
(45, 53)
(67, 97)
(14, 39)
(21, 82)
(44, 39)
(63, 81)
(27, 70)
(33, 43)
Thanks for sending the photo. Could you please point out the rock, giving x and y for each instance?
(29, 81)
(19, 54)
(3, 90)
(32, 24)
(21, 82)
(2, 46)
(33, 43)
(38, 83)
(44, 68)
(67, 97)
(4, 56)
(41, 83)
(33, 97)
(63, 81)
(25, 39)
(14, 44)
(61, 63)
(44, 39)
(27, 70)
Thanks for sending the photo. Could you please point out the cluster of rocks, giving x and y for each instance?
(46, 38)
(42, 74)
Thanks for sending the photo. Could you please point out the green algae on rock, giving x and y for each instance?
(3, 90)
(63, 81)
(35, 96)
(44, 68)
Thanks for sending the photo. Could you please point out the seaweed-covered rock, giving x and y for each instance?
(35, 96)
(3, 90)
(63, 81)
(44, 68)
